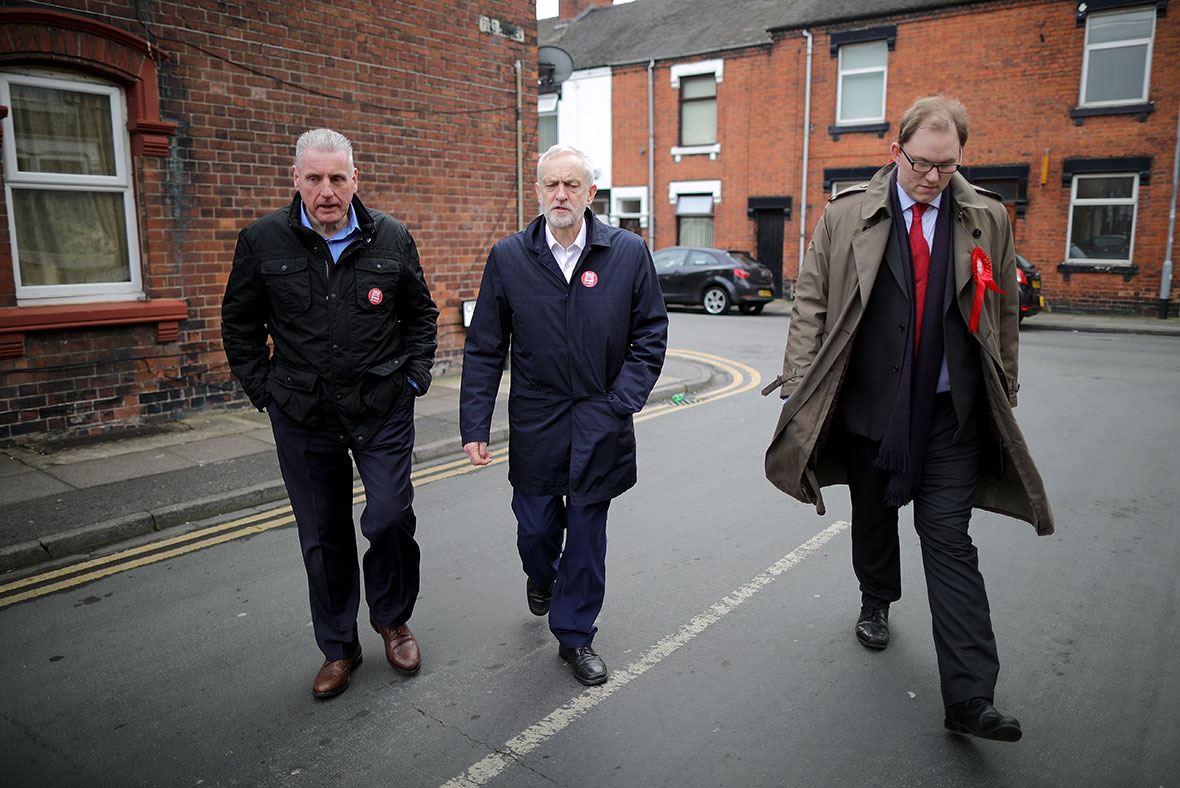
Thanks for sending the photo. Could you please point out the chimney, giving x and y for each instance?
(568, 9)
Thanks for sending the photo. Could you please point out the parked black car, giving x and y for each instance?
(714, 278)
(1032, 300)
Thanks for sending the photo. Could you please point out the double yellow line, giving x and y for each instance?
(741, 378)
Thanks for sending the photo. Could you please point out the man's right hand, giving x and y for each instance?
(478, 453)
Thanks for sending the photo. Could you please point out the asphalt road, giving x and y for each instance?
(727, 625)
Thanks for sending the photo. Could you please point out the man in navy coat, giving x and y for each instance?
(577, 303)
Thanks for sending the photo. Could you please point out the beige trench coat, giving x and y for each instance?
(837, 276)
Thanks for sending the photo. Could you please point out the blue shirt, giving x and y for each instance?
(340, 241)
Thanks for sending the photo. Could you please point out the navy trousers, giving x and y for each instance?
(577, 571)
(318, 474)
(968, 663)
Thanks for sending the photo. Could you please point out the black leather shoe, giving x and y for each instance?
(978, 717)
(588, 666)
(872, 628)
(539, 598)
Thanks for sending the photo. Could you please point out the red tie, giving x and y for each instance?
(920, 253)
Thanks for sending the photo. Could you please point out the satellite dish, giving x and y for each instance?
(554, 66)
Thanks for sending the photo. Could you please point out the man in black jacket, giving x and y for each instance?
(339, 290)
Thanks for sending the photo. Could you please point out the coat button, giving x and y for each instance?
(282, 268)
(901, 326)
(331, 295)
(976, 233)
(895, 369)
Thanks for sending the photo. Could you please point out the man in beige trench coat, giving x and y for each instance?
(899, 379)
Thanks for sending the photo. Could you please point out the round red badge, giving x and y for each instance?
(589, 279)
(375, 296)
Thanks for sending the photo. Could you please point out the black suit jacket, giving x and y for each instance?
(874, 370)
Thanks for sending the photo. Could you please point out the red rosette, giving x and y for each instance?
(981, 272)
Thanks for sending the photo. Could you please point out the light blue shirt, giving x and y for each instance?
(340, 241)
(929, 221)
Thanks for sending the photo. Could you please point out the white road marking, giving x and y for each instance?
(558, 720)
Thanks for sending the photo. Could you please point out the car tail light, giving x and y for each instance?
(741, 273)
(1020, 277)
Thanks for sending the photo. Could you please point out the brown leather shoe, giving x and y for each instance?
(401, 649)
(334, 675)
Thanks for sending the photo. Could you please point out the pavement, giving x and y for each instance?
(61, 503)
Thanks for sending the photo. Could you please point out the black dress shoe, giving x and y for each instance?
(872, 628)
(539, 598)
(978, 717)
(588, 666)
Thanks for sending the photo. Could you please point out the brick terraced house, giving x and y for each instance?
(140, 137)
(709, 130)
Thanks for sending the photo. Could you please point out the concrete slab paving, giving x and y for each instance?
(106, 470)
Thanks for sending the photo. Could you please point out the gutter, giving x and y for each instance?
(684, 55)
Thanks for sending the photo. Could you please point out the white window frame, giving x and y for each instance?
(547, 109)
(839, 186)
(842, 72)
(619, 195)
(121, 183)
(696, 69)
(677, 188)
(1074, 201)
(1089, 48)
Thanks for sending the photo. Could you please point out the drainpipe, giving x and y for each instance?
(806, 151)
(1166, 274)
(519, 148)
(651, 161)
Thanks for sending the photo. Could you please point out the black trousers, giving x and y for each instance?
(318, 474)
(967, 660)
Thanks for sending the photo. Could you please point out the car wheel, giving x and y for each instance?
(751, 309)
(716, 301)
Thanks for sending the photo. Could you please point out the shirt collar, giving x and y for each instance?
(579, 242)
(907, 201)
(352, 226)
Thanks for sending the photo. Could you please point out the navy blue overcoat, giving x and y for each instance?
(585, 356)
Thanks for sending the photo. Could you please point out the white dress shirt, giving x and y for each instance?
(566, 257)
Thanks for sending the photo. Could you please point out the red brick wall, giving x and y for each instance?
(1016, 67)
(429, 103)
(1018, 105)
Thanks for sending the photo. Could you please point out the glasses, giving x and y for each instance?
(923, 167)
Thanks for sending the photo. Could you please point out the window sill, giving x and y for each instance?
(865, 128)
(1127, 270)
(15, 322)
(1079, 114)
(696, 150)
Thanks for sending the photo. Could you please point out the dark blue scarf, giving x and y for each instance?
(903, 447)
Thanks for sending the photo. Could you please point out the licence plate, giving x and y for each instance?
(764, 293)
(1036, 284)
(1042, 302)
